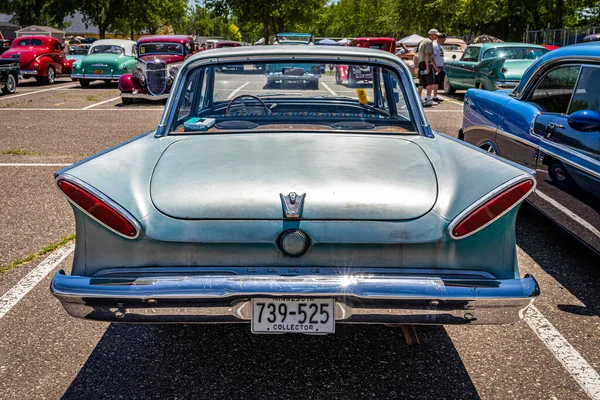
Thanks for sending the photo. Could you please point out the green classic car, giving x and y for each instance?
(490, 66)
(107, 60)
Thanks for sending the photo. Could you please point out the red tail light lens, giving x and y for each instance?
(504, 70)
(98, 209)
(492, 209)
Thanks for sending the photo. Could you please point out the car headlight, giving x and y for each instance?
(173, 71)
(138, 73)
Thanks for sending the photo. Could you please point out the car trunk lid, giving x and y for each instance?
(345, 177)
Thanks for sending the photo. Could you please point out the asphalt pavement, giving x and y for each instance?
(552, 354)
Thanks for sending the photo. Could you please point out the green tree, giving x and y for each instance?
(37, 12)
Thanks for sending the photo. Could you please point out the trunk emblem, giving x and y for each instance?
(292, 205)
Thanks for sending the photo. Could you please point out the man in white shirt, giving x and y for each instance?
(438, 59)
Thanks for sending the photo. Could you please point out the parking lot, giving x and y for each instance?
(552, 354)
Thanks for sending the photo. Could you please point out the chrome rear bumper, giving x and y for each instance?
(359, 299)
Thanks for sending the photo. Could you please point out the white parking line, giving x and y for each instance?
(17, 292)
(569, 213)
(451, 101)
(14, 96)
(102, 102)
(572, 361)
(329, 89)
(236, 91)
(32, 165)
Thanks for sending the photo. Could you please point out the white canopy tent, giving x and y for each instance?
(343, 42)
(412, 40)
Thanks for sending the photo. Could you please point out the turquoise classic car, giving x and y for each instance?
(294, 211)
(107, 60)
(490, 66)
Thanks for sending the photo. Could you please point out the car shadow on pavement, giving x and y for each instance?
(572, 264)
(228, 361)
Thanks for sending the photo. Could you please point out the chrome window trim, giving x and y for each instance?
(571, 162)
(409, 89)
(548, 65)
(490, 195)
(577, 83)
(536, 84)
(162, 54)
(105, 199)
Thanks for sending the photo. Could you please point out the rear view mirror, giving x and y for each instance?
(585, 120)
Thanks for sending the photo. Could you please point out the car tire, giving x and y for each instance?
(126, 101)
(107, 81)
(50, 78)
(559, 175)
(448, 88)
(338, 81)
(10, 86)
(84, 83)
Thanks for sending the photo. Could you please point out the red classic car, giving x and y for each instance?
(40, 57)
(159, 58)
(355, 73)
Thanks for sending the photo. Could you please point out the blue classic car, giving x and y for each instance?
(550, 123)
(294, 211)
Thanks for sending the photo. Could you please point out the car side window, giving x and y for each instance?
(587, 93)
(553, 93)
(471, 54)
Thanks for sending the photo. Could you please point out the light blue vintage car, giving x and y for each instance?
(294, 210)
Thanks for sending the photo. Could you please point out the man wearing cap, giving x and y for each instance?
(438, 60)
(426, 67)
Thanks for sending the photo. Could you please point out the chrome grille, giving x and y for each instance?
(156, 77)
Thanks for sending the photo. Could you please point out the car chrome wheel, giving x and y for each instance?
(51, 75)
(559, 175)
(11, 85)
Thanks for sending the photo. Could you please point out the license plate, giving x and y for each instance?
(309, 316)
(98, 71)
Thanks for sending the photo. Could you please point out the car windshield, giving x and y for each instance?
(106, 49)
(515, 53)
(288, 95)
(160, 48)
(29, 42)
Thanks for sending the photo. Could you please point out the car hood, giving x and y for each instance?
(344, 177)
(107, 60)
(167, 58)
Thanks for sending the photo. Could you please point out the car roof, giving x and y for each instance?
(325, 52)
(590, 50)
(112, 42)
(486, 46)
(165, 38)
(375, 39)
(41, 37)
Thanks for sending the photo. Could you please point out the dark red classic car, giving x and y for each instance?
(363, 73)
(159, 58)
(40, 57)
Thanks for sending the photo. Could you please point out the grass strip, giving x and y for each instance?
(47, 249)
(17, 152)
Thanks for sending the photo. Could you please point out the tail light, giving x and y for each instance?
(504, 70)
(100, 208)
(490, 209)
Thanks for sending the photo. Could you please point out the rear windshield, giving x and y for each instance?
(160, 48)
(107, 49)
(29, 42)
(289, 95)
(515, 53)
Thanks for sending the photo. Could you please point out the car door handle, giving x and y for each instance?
(556, 126)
